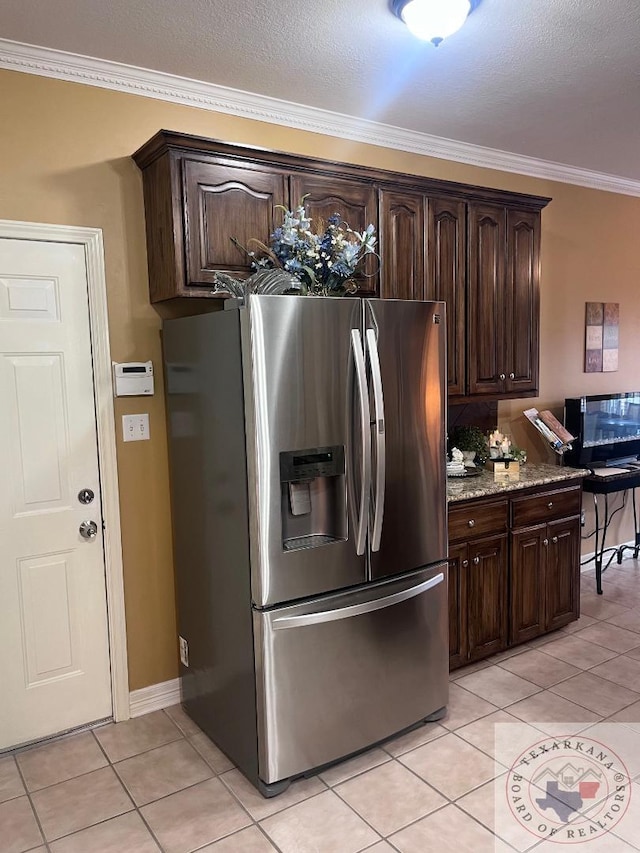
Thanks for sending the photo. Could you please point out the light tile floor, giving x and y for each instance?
(157, 783)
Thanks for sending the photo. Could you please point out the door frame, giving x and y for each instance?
(91, 241)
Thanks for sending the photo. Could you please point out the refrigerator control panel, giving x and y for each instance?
(297, 465)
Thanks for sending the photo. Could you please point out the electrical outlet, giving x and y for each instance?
(135, 427)
(583, 518)
(184, 651)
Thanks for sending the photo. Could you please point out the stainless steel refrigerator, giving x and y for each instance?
(307, 448)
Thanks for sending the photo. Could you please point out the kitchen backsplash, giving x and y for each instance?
(483, 415)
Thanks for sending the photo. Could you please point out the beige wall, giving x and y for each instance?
(65, 152)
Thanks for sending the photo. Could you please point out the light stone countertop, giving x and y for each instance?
(531, 474)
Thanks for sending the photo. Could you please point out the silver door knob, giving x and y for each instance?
(503, 377)
(555, 540)
(465, 563)
(545, 542)
(476, 560)
(85, 496)
(471, 522)
(512, 376)
(88, 530)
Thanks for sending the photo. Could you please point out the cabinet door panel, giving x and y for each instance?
(446, 264)
(563, 572)
(486, 308)
(220, 202)
(458, 567)
(355, 202)
(487, 596)
(527, 605)
(402, 245)
(522, 300)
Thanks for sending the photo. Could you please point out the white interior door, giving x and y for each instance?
(54, 649)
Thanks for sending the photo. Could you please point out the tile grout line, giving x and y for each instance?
(254, 821)
(33, 808)
(182, 737)
(377, 831)
(113, 817)
(380, 838)
(582, 671)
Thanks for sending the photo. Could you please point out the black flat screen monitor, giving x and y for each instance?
(607, 427)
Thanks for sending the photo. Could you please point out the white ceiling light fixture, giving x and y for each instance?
(433, 20)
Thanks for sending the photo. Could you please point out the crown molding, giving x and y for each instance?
(60, 65)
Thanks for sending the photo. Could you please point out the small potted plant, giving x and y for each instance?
(470, 439)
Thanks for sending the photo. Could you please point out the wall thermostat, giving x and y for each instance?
(133, 378)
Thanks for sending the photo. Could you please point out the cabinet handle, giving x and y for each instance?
(503, 377)
(555, 540)
(512, 376)
(471, 522)
(465, 563)
(476, 560)
(550, 504)
(545, 542)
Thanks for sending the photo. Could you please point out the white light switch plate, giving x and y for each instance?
(135, 427)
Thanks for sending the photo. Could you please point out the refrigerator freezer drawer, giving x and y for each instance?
(338, 674)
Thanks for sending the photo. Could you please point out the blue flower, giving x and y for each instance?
(323, 261)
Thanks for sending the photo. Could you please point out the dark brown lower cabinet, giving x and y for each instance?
(478, 569)
(545, 582)
(527, 609)
(487, 622)
(478, 622)
(458, 565)
(562, 587)
(510, 587)
(545, 561)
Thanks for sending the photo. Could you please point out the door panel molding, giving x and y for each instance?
(91, 241)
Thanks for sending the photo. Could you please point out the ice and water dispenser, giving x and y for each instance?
(313, 497)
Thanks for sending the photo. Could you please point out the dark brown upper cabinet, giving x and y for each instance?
(475, 248)
(402, 245)
(503, 301)
(354, 201)
(522, 302)
(446, 280)
(221, 202)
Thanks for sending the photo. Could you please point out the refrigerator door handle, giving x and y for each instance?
(356, 609)
(365, 473)
(379, 428)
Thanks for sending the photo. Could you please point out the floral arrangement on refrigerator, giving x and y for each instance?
(320, 261)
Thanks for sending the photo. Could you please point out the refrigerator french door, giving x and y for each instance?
(360, 382)
(307, 477)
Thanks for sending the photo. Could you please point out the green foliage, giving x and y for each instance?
(470, 438)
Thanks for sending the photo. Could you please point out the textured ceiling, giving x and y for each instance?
(557, 80)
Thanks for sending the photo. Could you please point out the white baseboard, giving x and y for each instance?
(590, 567)
(154, 698)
